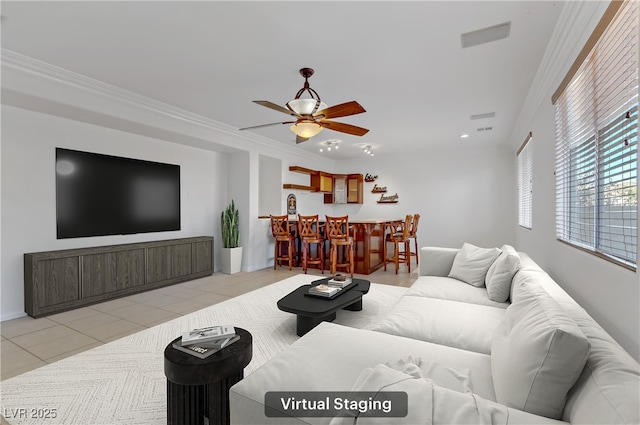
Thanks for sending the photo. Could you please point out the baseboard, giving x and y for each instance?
(11, 316)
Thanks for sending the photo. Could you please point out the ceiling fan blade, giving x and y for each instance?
(267, 125)
(344, 128)
(341, 110)
(272, 105)
(301, 139)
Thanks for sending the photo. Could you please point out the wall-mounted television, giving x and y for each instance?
(99, 195)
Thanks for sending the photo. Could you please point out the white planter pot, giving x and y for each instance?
(231, 259)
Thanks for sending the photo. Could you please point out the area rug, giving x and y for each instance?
(123, 382)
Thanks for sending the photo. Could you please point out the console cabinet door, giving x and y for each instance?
(202, 256)
(167, 262)
(129, 268)
(57, 281)
(98, 274)
(158, 264)
(180, 259)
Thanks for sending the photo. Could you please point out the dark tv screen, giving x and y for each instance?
(98, 195)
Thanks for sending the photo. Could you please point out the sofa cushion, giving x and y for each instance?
(471, 264)
(451, 323)
(447, 288)
(500, 274)
(537, 355)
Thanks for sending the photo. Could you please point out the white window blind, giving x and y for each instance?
(596, 145)
(525, 183)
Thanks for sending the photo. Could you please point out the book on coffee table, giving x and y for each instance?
(339, 283)
(208, 334)
(324, 290)
(204, 350)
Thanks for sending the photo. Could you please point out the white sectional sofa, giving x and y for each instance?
(463, 357)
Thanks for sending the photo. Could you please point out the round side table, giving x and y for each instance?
(198, 389)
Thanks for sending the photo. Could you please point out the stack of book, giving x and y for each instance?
(204, 342)
(324, 290)
(339, 281)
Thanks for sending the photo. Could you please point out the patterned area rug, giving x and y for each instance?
(123, 382)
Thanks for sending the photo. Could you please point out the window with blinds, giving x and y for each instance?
(525, 183)
(596, 141)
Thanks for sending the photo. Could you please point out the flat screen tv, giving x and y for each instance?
(98, 195)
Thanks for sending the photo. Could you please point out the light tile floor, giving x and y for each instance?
(27, 343)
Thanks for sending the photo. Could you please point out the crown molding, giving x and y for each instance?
(47, 72)
(575, 24)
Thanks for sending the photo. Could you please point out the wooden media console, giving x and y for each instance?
(56, 281)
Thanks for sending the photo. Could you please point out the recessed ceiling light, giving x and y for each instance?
(464, 136)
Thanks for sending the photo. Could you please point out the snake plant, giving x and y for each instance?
(230, 230)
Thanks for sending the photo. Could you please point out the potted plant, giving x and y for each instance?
(231, 254)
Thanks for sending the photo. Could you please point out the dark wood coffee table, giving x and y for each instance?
(310, 311)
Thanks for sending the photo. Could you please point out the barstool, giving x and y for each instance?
(309, 233)
(398, 234)
(282, 234)
(337, 231)
(413, 234)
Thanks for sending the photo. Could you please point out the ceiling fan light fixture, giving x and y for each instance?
(312, 115)
(306, 106)
(306, 129)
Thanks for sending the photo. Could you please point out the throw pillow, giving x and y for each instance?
(471, 263)
(500, 274)
(537, 355)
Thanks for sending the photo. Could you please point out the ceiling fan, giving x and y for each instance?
(312, 115)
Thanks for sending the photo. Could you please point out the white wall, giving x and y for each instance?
(270, 185)
(75, 111)
(29, 140)
(461, 196)
(610, 293)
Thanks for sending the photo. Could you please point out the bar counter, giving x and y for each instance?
(369, 243)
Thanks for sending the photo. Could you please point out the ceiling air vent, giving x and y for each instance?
(483, 116)
(485, 35)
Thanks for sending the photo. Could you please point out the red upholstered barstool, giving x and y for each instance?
(282, 234)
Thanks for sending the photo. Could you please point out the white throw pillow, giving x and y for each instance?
(500, 274)
(471, 263)
(537, 356)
